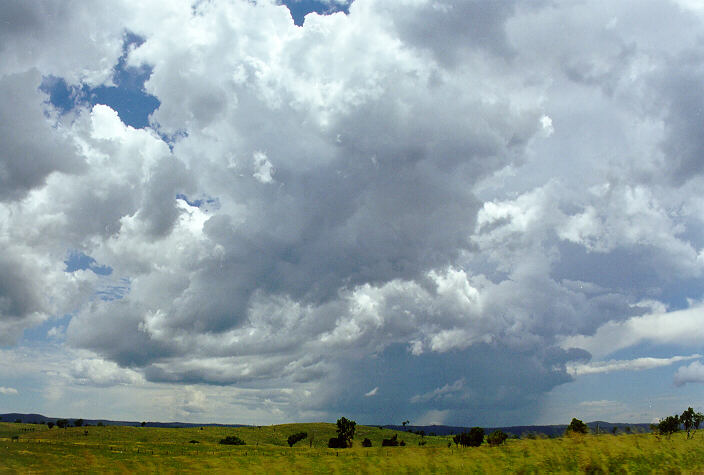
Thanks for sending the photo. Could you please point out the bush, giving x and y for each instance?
(473, 438)
(669, 425)
(392, 442)
(232, 440)
(193, 441)
(293, 438)
(336, 443)
(497, 437)
(366, 442)
(577, 427)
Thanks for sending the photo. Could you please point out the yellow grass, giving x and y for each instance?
(155, 450)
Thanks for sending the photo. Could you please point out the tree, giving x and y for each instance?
(577, 427)
(669, 425)
(293, 438)
(144, 424)
(473, 438)
(61, 423)
(78, 422)
(345, 431)
(366, 442)
(476, 436)
(50, 424)
(405, 423)
(691, 420)
(232, 440)
(497, 437)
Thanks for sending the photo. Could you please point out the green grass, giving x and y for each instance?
(116, 449)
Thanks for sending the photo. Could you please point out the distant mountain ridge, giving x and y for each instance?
(547, 430)
(40, 419)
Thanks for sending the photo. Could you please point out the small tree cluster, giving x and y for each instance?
(293, 438)
(366, 442)
(497, 437)
(62, 423)
(473, 438)
(577, 427)
(392, 442)
(669, 425)
(232, 440)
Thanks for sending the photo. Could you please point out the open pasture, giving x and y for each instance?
(117, 449)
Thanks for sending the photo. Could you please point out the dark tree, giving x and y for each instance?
(366, 442)
(669, 425)
(293, 438)
(62, 423)
(336, 443)
(476, 436)
(473, 438)
(577, 427)
(50, 424)
(232, 440)
(392, 442)
(78, 422)
(497, 437)
(144, 424)
(345, 431)
(405, 423)
(691, 420)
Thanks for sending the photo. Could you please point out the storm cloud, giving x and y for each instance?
(436, 205)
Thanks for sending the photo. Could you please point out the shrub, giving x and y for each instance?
(497, 437)
(232, 440)
(293, 438)
(193, 441)
(336, 443)
(473, 438)
(402, 444)
(669, 425)
(577, 427)
(366, 442)
(50, 424)
(392, 442)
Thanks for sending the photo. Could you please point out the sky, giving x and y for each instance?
(255, 212)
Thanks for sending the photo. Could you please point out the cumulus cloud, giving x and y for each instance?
(637, 364)
(409, 186)
(6, 390)
(693, 373)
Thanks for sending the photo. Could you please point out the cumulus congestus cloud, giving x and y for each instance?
(436, 200)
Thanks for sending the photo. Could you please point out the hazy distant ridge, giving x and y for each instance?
(548, 430)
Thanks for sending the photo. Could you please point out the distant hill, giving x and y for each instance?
(40, 419)
(547, 430)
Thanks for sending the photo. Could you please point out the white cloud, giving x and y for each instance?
(693, 373)
(636, 364)
(6, 390)
(680, 327)
(372, 392)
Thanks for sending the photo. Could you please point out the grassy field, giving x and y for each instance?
(28, 448)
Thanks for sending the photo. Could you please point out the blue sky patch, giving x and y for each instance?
(300, 8)
(77, 260)
(127, 97)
